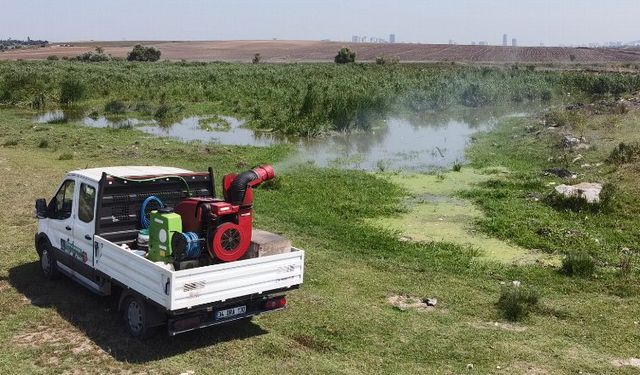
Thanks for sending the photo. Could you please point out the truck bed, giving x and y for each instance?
(184, 289)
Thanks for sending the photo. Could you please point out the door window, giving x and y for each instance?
(62, 203)
(86, 203)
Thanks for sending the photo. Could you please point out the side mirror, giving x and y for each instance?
(41, 208)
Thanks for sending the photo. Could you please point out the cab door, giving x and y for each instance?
(60, 220)
(85, 226)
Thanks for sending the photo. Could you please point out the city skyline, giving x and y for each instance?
(571, 22)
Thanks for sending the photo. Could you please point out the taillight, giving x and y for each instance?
(275, 303)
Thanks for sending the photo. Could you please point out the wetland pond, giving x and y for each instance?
(401, 141)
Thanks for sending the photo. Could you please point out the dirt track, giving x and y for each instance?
(315, 51)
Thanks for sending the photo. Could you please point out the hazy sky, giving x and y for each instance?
(531, 21)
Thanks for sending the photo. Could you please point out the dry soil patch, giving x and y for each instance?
(404, 302)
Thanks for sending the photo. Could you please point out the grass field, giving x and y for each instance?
(341, 320)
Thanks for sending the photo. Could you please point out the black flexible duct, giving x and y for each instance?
(238, 187)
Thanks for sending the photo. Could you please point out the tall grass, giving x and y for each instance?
(303, 99)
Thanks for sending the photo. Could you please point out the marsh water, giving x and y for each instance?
(399, 141)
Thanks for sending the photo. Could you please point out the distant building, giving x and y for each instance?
(355, 39)
(514, 42)
(473, 43)
(483, 43)
(505, 37)
(392, 38)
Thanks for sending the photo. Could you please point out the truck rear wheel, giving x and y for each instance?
(48, 264)
(136, 318)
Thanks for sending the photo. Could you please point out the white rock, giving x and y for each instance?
(590, 191)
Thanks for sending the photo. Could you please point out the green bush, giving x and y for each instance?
(52, 58)
(167, 113)
(627, 264)
(142, 53)
(39, 101)
(516, 302)
(578, 264)
(625, 153)
(556, 117)
(71, 91)
(475, 96)
(144, 108)
(345, 56)
(65, 156)
(115, 106)
(93, 56)
(20, 86)
(387, 60)
(43, 143)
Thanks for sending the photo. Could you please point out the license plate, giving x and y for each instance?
(228, 313)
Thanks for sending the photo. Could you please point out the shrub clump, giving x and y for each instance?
(115, 106)
(578, 264)
(52, 58)
(516, 302)
(43, 143)
(345, 56)
(257, 58)
(557, 117)
(144, 108)
(65, 156)
(142, 53)
(387, 60)
(475, 96)
(71, 91)
(93, 56)
(167, 112)
(625, 153)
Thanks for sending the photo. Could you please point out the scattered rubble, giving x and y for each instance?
(589, 191)
(560, 172)
(574, 143)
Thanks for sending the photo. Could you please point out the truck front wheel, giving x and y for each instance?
(135, 317)
(48, 264)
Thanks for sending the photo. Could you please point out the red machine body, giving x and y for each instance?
(226, 225)
(193, 212)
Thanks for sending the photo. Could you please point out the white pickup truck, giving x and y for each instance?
(82, 230)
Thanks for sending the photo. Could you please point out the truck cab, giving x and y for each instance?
(88, 230)
(66, 226)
